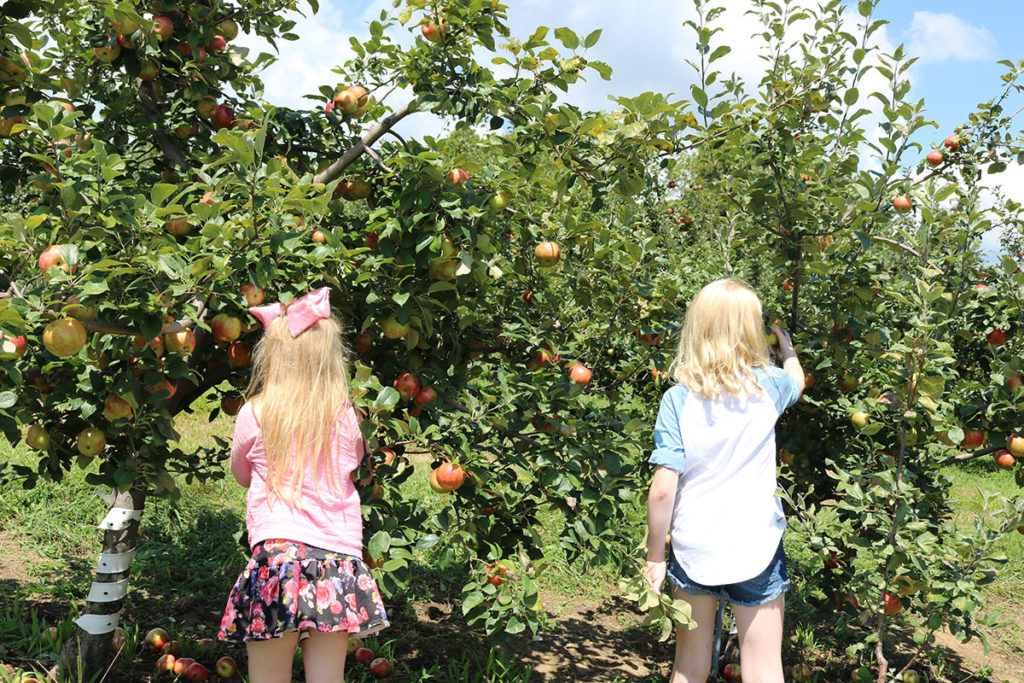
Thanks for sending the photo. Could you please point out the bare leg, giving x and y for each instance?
(694, 648)
(323, 656)
(760, 632)
(270, 661)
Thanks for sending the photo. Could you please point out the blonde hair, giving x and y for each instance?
(302, 385)
(722, 341)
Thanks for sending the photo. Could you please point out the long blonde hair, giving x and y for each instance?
(302, 384)
(722, 341)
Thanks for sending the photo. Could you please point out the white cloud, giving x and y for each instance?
(935, 37)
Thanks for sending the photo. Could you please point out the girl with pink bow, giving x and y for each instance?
(296, 444)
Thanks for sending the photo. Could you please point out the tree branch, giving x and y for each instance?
(971, 455)
(335, 170)
(907, 248)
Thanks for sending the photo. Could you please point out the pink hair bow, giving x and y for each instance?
(302, 312)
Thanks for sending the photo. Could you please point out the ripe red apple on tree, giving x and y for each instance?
(892, 603)
(218, 44)
(254, 296)
(231, 404)
(934, 157)
(240, 353)
(952, 143)
(178, 226)
(222, 117)
(363, 342)
(407, 385)
(996, 337)
(902, 204)
(371, 239)
(434, 29)
(163, 27)
(51, 258)
(450, 476)
(547, 253)
(1014, 382)
(425, 395)
(226, 328)
(580, 374)
(107, 53)
(64, 337)
(973, 438)
(496, 573)
(351, 100)
(15, 345)
(1015, 444)
(380, 667)
(457, 176)
(1004, 459)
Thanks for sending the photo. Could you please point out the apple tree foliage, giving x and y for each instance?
(911, 339)
(148, 182)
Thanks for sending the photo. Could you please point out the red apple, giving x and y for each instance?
(178, 226)
(407, 385)
(731, 672)
(1014, 382)
(182, 341)
(902, 204)
(1015, 444)
(371, 238)
(832, 561)
(226, 328)
(351, 100)
(892, 603)
(156, 638)
(450, 476)
(580, 374)
(116, 408)
(319, 236)
(64, 337)
(457, 176)
(218, 44)
(163, 27)
(363, 343)
(51, 258)
(223, 118)
(801, 673)
(15, 345)
(496, 573)
(125, 42)
(207, 107)
(1004, 459)
(934, 157)
(848, 383)
(182, 664)
(952, 143)
(240, 353)
(380, 667)
(107, 53)
(172, 647)
(428, 395)
(363, 654)
(787, 285)
(435, 29)
(996, 337)
(547, 253)
(253, 295)
(973, 438)
(231, 404)
(197, 672)
(165, 663)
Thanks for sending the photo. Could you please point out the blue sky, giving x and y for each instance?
(958, 44)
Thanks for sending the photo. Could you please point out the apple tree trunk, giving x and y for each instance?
(86, 655)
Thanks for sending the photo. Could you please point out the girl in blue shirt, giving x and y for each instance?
(714, 481)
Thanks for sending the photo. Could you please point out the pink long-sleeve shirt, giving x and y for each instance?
(329, 516)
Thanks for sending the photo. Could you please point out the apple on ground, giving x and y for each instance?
(801, 672)
(911, 676)
(166, 663)
(226, 667)
(181, 665)
(363, 654)
(197, 672)
(380, 667)
(156, 638)
(172, 647)
(731, 672)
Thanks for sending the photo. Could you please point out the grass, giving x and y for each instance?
(188, 558)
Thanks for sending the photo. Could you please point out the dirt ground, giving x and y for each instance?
(589, 640)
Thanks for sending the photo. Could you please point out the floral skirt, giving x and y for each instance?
(291, 586)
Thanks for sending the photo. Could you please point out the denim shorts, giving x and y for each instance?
(763, 588)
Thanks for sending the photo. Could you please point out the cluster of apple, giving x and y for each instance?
(903, 203)
(684, 221)
(215, 29)
(170, 660)
(380, 667)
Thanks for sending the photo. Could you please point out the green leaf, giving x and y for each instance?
(699, 96)
(427, 542)
(379, 544)
(160, 192)
(592, 38)
(470, 601)
(720, 51)
(568, 38)
(7, 399)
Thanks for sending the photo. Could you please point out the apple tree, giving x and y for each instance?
(864, 240)
(508, 295)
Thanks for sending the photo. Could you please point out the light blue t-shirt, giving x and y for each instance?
(727, 521)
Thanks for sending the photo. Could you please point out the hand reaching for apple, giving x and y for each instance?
(655, 575)
(784, 348)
